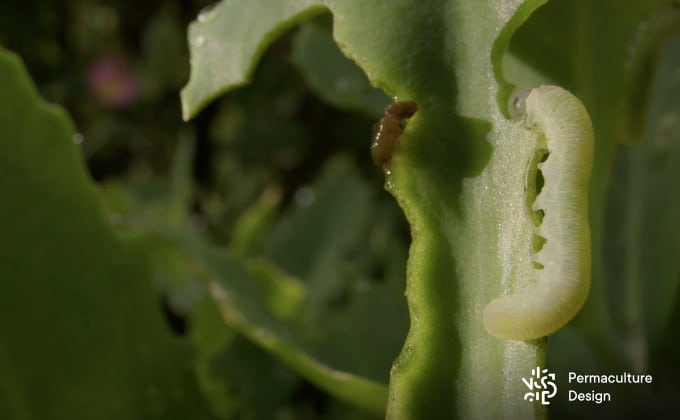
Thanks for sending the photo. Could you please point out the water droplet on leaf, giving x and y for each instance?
(198, 41)
(207, 14)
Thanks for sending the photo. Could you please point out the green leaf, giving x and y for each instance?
(606, 54)
(83, 334)
(458, 171)
(641, 224)
(450, 182)
(254, 223)
(240, 379)
(331, 75)
(586, 47)
(249, 30)
(333, 342)
(141, 194)
(312, 241)
(354, 320)
(235, 294)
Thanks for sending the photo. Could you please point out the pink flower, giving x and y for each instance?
(112, 83)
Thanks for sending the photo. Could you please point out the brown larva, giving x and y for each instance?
(387, 131)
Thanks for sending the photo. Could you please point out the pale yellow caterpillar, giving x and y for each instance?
(562, 266)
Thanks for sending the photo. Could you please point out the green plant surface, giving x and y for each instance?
(439, 182)
(241, 310)
(332, 76)
(306, 302)
(608, 56)
(258, 25)
(650, 172)
(238, 379)
(640, 248)
(604, 53)
(458, 170)
(593, 60)
(296, 289)
(83, 334)
(244, 265)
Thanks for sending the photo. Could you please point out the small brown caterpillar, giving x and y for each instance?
(387, 131)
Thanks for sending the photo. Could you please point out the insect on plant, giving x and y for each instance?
(387, 131)
(561, 267)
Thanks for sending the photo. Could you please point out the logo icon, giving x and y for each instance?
(541, 386)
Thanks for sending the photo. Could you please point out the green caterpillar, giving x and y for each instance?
(562, 265)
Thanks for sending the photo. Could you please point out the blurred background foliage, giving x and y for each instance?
(278, 173)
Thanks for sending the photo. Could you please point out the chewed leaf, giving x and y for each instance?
(227, 41)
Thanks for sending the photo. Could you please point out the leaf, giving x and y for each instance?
(311, 242)
(83, 334)
(240, 379)
(249, 31)
(458, 171)
(642, 240)
(333, 342)
(141, 194)
(241, 307)
(332, 76)
(606, 54)
(445, 174)
(255, 222)
(357, 322)
(587, 48)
